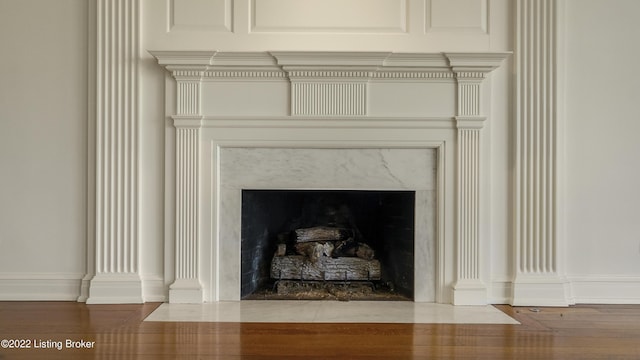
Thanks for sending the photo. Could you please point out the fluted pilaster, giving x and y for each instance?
(187, 205)
(469, 201)
(187, 287)
(116, 268)
(188, 69)
(470, 71)
(469, 288)
(538, 247)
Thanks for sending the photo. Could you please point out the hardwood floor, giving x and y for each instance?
(578, 332)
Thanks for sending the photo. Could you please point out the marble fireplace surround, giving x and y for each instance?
(329, 121)
(303, 168)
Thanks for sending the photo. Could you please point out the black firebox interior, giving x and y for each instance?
(384, 220)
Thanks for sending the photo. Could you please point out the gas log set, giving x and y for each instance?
(324, 253)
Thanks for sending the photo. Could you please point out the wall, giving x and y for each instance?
(602, 193)
(43, 147)
(43, 132)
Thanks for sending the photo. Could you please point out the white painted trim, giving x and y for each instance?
(585, 289)
(605, 289)
(469, 292)
(499, 291)
(113, 249)
(154, 289)
(115, 289)
(540, 290)
(539, 255)
(40, 286)
(89, 265)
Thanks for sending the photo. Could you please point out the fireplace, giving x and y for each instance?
(327, 244)
(326, 122)
(316, 178)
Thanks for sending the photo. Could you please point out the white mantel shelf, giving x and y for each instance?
(372, 62)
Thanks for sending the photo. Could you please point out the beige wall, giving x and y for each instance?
(603, 150)
(43, 132)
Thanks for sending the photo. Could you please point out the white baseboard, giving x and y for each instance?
(40, 286)
(154, 289)
(500, 292)
(469, 292)
(554, 294)
(65, 287)
(540, 290)
(186, 291)
(115, 288)
(605, 289)
(583, 289)
(591, 289)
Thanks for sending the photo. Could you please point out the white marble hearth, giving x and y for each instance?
(330, 312)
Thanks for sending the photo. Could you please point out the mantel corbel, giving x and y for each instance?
(476, 62)
(174, 58)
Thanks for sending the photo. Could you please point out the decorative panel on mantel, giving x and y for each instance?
(200, 15)
(319, 25)
(457, 15)
(365, 16)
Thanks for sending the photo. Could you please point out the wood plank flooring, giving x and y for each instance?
(577, 332)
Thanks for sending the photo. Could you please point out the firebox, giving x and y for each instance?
(319, 244)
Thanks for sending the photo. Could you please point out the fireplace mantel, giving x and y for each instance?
(326, 100)
(329, 83)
